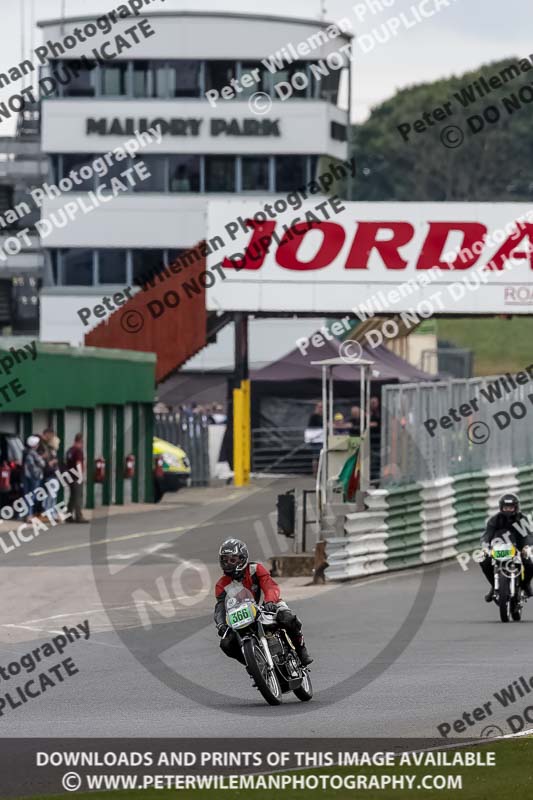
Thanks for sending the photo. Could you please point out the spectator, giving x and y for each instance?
(75, 460)
(340, 424)
(315, 420)
(355, 421)
(32, 469)
(375, 412)
(48, 447)
(375, 438)
(216, 415)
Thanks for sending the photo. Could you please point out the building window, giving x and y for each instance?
(77, 267)
(149, 79)
(291, 173)
(147, 263)
(297, 75)
(157, 167)
(220, 173)
(184, 173)
(73, 78)
(54, 267)
(74, 162)
(255, 170)
(328, 86)
(184, 78)
(218, 74)
(112, 266)
(114, 79)
(173, 255)
(264, 84)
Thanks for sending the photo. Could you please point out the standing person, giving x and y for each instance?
(375, 438)
(32, 470)
(315, 420)
(75, 461)
(48, 447)
(355, 421)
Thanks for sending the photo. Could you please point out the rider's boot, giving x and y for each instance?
(301, 650)
(489, 597)
(527, 589)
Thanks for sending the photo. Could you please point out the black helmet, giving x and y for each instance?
(233, 556)
(509, 505)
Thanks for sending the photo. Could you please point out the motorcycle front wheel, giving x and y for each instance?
(305, 691)
(265, 679)
(504, 601)
(516, 609)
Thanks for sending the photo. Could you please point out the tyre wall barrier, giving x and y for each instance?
(425, 522)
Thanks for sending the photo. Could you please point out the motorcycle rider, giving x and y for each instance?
(236, 566)
(509, 525)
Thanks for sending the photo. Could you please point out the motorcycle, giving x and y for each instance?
(508, 574)
(271, 660)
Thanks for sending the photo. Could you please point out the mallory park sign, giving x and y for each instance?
(182, 126)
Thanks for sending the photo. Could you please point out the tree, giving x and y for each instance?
(493, 163)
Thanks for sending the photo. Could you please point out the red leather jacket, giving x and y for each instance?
(257, 579)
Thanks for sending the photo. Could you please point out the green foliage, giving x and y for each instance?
(500, 345)
(493, 165)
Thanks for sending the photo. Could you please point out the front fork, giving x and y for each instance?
(264, 644)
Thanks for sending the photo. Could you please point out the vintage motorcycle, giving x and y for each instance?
(508, 573)
(271, 659)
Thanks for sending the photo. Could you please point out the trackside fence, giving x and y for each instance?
(409, 453)
(189, 431)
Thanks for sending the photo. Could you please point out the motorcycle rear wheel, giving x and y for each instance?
(265, 680)
(305, 691)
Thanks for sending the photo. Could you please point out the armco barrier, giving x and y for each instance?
(405, 527)
(439, 534)
(525, 488)
(361, 552)
(425, 522)
(471, 508)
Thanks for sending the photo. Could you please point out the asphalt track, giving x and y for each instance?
(395, 655)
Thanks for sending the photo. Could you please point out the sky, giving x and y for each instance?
(457, 38)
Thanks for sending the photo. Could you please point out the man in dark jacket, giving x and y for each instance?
(75, 460)
(235, 564)
(509, 525)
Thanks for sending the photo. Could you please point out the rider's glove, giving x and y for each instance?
(270, 607)
(221, 630)
(526, 551)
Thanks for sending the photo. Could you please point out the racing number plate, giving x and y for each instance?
(240, 615)
(503, 552)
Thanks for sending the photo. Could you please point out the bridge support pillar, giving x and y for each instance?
(241, 404)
